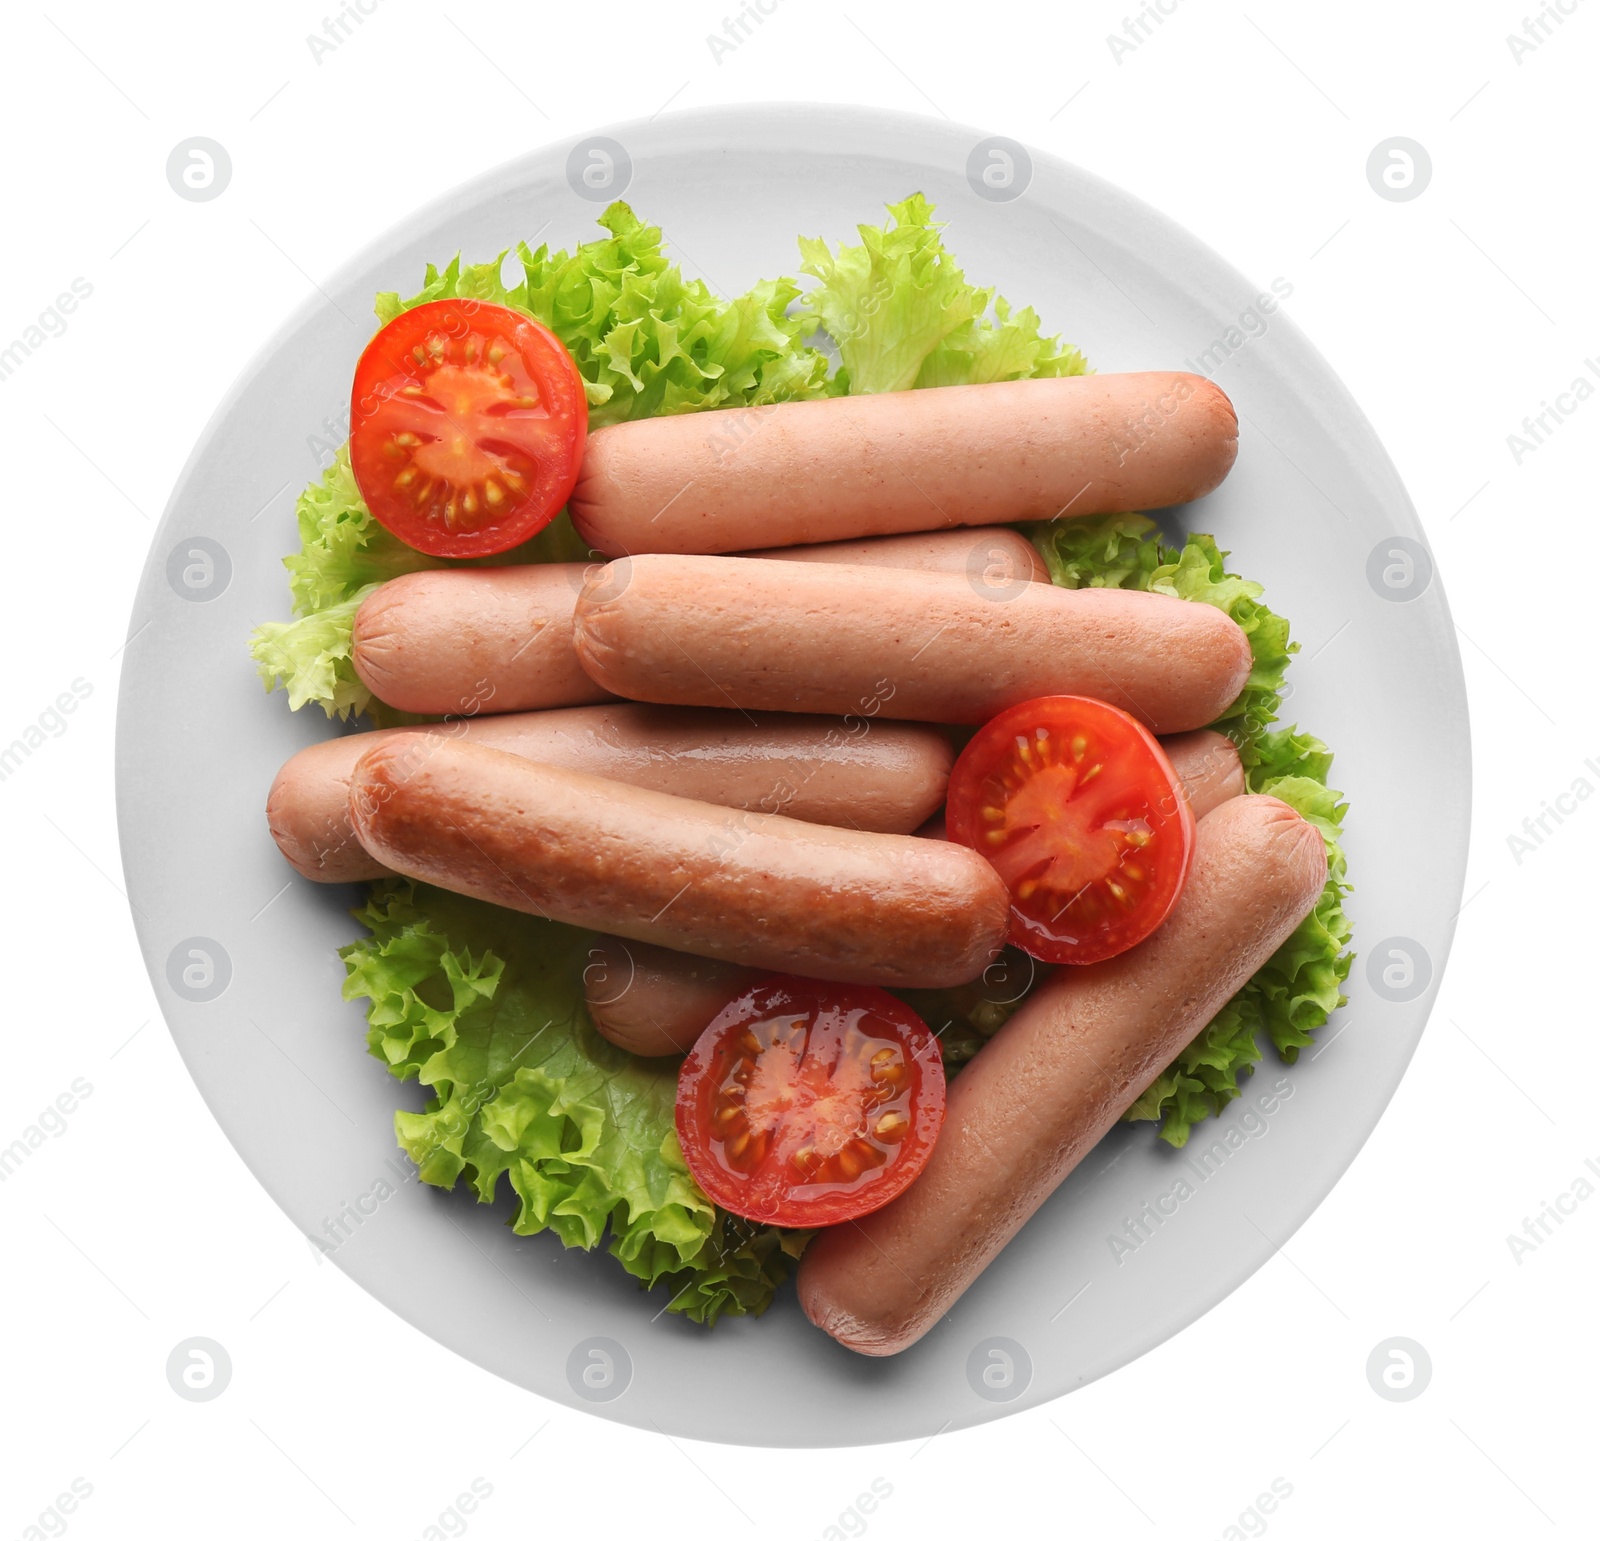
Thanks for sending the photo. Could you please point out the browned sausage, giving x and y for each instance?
(1057, 1076)
(993, 557)
(653, 1001)
(880, 776)
(466, 641)
(798, 637)
(802, 472)
(750, 888)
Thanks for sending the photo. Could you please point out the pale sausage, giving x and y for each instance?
(932, 647)
(995, 558)
(880, 776)
(801, 472)
(465, 641)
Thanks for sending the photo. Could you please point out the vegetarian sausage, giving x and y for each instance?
(751, 888)
(801, 472)
(994, 557)
(652, 1001)
(472, 640)
(1057, 1075)
(884, 776)
(802, 637)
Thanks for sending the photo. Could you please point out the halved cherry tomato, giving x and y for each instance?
(1081, 813)
(805, 1103)
(467, 427)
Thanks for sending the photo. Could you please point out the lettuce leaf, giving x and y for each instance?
(484, 1009)
(902, 314)
(647, 341)
(1298, 988)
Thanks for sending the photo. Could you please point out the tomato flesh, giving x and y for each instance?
(807, 1104)
(467, 427)
(1078, 809)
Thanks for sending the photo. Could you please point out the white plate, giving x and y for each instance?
(1313, 510)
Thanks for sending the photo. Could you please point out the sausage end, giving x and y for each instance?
(1217, 428)
(874, 1340)
(596, 618)
(377, 781)
(1235, 660)
(654, 1001)
(594, 502)
(285, 822)
(307, 819)
(377, 643)
(1207, 763)
(1296, 845)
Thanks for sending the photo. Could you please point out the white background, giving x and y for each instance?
(1451, 317)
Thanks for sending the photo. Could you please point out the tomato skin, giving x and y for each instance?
(806, 1103)
(467, 427)
(1077, 807)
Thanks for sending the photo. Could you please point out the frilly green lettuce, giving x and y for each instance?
(484, 1009)
(902, 314)
(647, 341)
